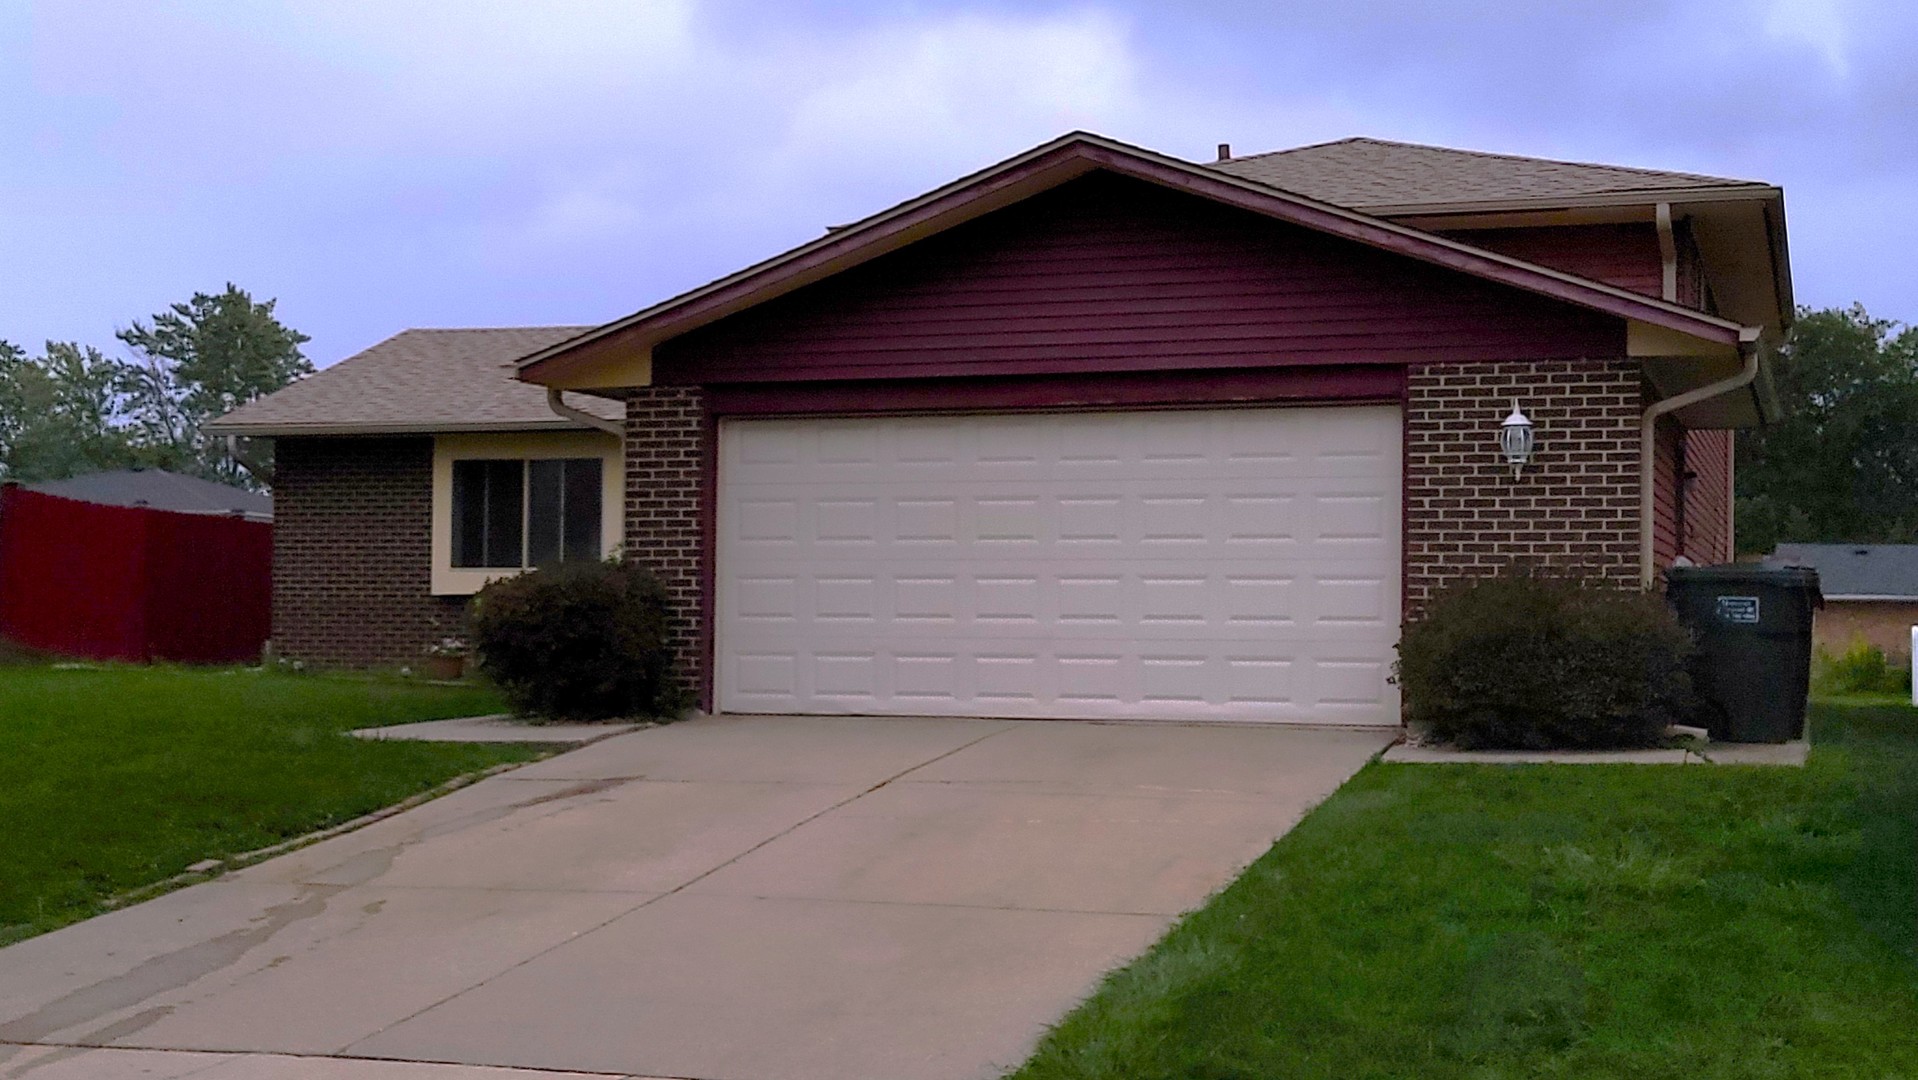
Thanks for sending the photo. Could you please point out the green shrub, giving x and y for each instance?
(580, 641)
(1523, 661)
(1860, 669)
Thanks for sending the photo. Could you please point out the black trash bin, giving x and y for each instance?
(1753, 666)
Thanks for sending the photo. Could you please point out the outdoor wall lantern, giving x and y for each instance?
(1515, 439)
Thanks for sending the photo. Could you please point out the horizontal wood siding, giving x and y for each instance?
(1625, 255)
(1113, 274)
(1666, 440)
(1708, 503)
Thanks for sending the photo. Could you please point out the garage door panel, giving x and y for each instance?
(1216, 564)
(1055, 682)
(1168, 524)
(1250, 603)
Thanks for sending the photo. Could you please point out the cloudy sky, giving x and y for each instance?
(380, 164)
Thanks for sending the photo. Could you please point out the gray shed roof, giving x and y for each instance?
(160, 490)
(419, 381)
(1856, 571)
(1378, 175)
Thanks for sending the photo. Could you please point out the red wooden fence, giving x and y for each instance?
(130, 583)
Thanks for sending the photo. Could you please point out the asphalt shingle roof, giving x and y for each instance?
(160, 490)
(420, 380)
(1370, 174)
(1856, 569)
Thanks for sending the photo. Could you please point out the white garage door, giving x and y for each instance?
(1225, 564)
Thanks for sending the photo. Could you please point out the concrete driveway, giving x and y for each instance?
(726, 899)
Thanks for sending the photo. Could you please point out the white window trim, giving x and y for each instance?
(450, 580)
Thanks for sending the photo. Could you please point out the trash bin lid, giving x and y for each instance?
(1781, 577)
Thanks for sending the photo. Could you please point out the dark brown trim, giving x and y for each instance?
(1405, 501)
(1095, 391)
(709, 558)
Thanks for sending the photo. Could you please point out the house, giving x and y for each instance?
(1871, 594)
(1094, 432)
(159, 489)
(368, 565)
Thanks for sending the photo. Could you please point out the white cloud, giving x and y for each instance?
(1817, 24)
(965, 81)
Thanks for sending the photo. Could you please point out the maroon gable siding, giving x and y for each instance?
(1625, 255)
(1111, 274)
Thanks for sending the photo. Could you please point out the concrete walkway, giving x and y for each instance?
(725, 899)
(493, 729)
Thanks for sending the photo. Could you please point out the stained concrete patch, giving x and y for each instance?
(469, 807)
(709, 986)
(111, 965)
(330, 980)
(493, 729)
(639, 836)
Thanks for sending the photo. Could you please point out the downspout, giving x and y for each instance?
(261, 472)
(1648, 447)
(556, 400)
(1668, 251)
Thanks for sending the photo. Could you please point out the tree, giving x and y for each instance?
(59, 413)
(1842, 466)
(198, 360)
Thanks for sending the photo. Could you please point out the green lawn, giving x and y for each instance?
(1552, 921)
(117, 777)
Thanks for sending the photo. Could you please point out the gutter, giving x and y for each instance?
(556, 400)
(1648, 447)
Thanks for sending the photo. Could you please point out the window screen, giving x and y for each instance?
(513, 514)
(563, 511)
(488, 514)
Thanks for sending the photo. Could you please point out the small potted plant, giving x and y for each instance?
(446, 659)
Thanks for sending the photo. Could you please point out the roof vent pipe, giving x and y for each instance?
(1225, 151)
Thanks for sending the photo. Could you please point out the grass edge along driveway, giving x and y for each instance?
(115, 777)
(1557, 921)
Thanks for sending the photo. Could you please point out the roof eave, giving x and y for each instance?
(287, 430)
(1637, 197)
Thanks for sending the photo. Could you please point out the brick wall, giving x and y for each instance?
(1574, 507)
(352, 579)
(666, 473)
(1842, 623)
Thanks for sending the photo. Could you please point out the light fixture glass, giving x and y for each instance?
(1515, 439)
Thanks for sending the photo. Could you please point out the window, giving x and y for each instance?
(511, 514)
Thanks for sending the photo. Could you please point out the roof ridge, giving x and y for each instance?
(1636, 170)
(1295, 149)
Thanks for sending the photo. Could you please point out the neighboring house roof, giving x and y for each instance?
(1378, 176)
(159, 490)
(419, 381)
(1856, 571)
(1043, 168)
